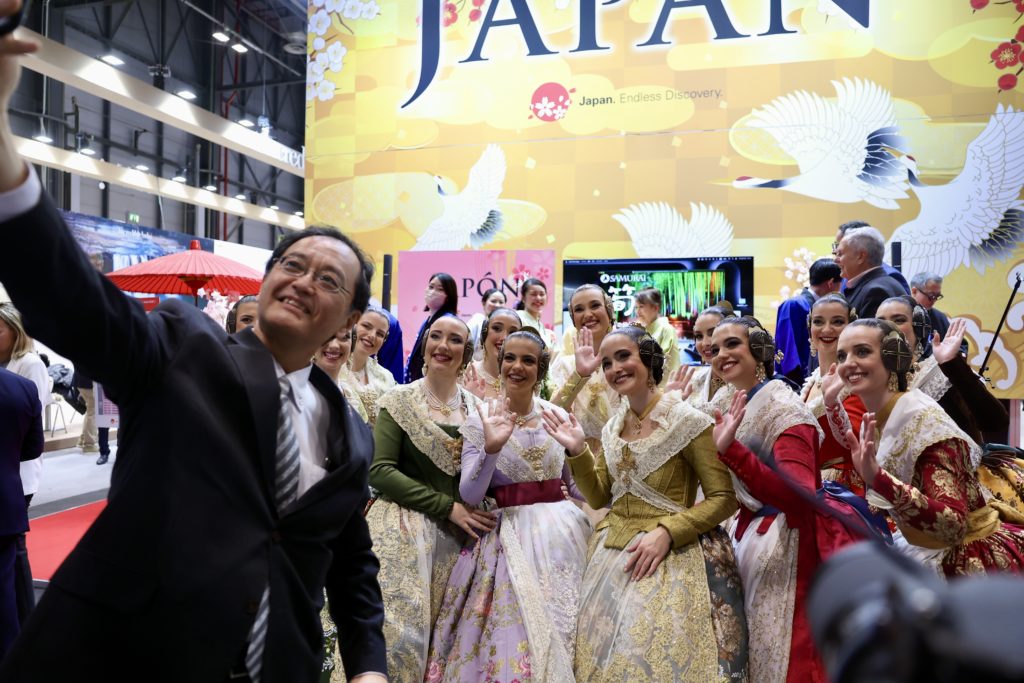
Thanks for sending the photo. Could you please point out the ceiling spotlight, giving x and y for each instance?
(83, 145)
(247, 123)
(141, 167)
(239, 48)
(299, 214)
(41, 136)
(275, 207)
(210, 187)
(112, 59)
(241, 195)
(179, 178)
(186, 94)
(221, 37)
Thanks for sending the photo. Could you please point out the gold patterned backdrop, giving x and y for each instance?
(847, 115)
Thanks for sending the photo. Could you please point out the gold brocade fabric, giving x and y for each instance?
(416, 555)
(379, 382)
(915, 423)
(657, 629)
(676, 425)
(1004, 480)
(407, 404)
(677, 479)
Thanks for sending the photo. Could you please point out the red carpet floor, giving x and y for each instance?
(52, 537)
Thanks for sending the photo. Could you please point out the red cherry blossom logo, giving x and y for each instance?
(1007, 82)
(550, 102)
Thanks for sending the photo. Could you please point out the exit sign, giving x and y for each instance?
(133, 217)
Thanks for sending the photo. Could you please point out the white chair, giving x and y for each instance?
(55, 411)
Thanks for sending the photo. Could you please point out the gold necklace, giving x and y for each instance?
(490, 379)
(638, 427)
(446, 408)
(521, 420)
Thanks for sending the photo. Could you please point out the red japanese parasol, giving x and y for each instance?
(185, 272)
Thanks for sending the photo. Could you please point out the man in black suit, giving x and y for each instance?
(859, 255)
(241, 476)
(21, 439)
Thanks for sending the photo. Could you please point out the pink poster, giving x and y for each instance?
(475, 272)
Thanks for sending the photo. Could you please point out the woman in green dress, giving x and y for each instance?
(419, 522)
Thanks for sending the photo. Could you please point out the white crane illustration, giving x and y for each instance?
(843, 147)
(977, 219)
(659, 230)
(470, 217)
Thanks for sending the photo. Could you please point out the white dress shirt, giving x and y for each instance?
(310, 420)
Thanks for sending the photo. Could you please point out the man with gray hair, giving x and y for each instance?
(889, 270)
(859, 255)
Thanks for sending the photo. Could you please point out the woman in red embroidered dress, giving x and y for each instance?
(771, 445)
(920, 466)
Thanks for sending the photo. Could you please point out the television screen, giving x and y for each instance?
(687, 285)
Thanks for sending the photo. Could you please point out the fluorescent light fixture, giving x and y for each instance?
(241, 195)
(275, 207)
(112, 59)
(299, 214)
(141, 167)
(239, 48)
(220, 36)
(88, 151)
(41, 136)
(186, 94)
(247, 123)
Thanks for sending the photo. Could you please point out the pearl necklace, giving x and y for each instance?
(446, 408)
(521, 420)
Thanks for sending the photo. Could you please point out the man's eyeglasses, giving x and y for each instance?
(324, 280)
(931, 297)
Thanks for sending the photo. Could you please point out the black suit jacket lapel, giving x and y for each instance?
(256, 367)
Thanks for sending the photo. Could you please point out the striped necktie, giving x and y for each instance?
(286, 490)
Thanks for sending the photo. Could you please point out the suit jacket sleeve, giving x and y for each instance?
(60, 294)
(355, 601)
(987, 410)
(32, 445)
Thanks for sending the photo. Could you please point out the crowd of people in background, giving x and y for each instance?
(644, 498)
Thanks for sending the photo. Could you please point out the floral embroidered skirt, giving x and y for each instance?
(416, 554)
(767, 564)
(684, 623)
(509, 612)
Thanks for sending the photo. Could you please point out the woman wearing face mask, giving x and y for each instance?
(647, 304)
(661, 599)
(482, 375)
(828, 316)
(332, 358)
(769, 439)
(492, 299)
(533, 296)
(919, 465)
(945, 375)
(419, 522)
(368, 379)
(441, 298)
(528, 570)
